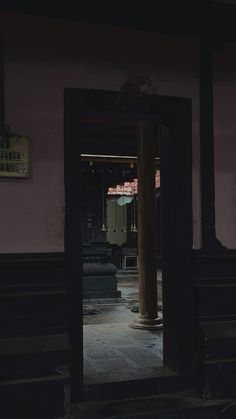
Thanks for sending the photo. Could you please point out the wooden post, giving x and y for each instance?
(209, 239)
(148, 316)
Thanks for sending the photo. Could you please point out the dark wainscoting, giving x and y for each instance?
(209, 264)
(35, 347)
(214, 276)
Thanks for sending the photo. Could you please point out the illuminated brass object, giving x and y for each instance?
(14, 157)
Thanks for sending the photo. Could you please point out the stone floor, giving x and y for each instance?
(112, 350)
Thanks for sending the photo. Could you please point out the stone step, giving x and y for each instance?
(168, 406)
(127, 273)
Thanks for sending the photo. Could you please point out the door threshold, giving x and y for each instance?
(167, 381)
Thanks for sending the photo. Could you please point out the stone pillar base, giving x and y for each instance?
(147, 324)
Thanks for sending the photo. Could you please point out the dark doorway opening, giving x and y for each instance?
(174, 115)
(113, 351)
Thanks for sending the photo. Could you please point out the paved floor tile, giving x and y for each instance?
(112, 350)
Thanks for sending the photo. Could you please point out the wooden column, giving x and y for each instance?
(148, 316)
(209, 239)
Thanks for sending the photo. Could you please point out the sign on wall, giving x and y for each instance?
(14, 157)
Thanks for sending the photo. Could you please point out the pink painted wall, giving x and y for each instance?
(42, 58)
(225, 144)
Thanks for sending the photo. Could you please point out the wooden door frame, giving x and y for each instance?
(175, 117)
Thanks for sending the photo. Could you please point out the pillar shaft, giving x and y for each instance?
(148, 315)
(146, 221)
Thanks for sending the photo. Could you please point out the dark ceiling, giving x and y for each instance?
(186, 18)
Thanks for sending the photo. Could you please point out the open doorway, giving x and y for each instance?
(81, 107)
(114, 351)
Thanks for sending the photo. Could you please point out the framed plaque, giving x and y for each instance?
(14, 157)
